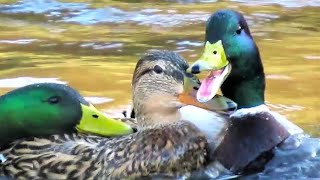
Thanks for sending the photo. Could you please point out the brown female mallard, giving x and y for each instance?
(173, 139)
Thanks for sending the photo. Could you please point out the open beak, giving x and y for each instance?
(217, 103)
(215, 61)
(95, 122)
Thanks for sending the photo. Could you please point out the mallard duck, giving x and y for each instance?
(48, 108)
(254, 128)
(173, 137)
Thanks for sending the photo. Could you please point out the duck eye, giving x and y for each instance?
(239, 30)
(157, 69)
(54, 100)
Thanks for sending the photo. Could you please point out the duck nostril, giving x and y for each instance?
(195, 70)
(196, 88)
(135, 130)
(95, 116)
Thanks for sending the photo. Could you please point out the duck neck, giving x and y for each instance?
(157, 111)
(246, 83)
(152, 120)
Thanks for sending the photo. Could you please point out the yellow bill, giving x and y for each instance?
(95, 122)
(215, 61)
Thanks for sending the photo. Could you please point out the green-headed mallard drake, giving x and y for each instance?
(254, 128)
(174, 137)
(48, 108)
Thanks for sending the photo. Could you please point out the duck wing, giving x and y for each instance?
(172, 151)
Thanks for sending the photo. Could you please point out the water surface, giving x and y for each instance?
(94, 46)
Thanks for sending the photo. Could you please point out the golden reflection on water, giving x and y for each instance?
(99, 59)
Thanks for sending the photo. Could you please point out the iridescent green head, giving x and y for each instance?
(245, 83)
(48, 108)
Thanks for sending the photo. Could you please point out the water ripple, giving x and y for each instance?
(98, 46)
(24, 81)
(98, 100)
(18, 41)
(297, 158)
(41, 7)
(81, 13)
(284, 3)
(114, 15)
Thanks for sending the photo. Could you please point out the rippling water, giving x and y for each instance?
(94, 46)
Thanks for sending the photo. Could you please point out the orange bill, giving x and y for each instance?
(188, 99)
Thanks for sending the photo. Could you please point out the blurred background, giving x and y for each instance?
(94, 46)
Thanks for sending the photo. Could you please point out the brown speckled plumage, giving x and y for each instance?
(164, 145)
(171, 150)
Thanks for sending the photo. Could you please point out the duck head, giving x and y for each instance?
(161, 86)
(241, 76)
(48, 108)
